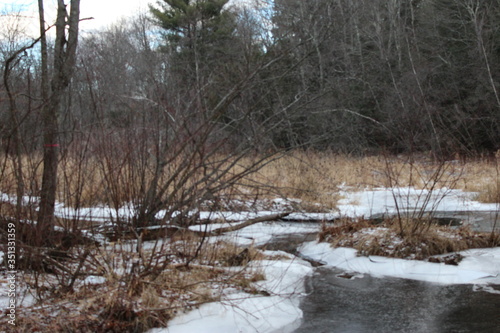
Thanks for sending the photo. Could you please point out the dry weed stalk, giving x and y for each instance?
(131, 298)
(313, 177)
(384, 239)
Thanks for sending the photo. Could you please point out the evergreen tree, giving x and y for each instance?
(198, 36)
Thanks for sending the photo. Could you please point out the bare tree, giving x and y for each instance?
(65, 46)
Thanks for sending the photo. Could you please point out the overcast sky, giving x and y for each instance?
(104, 12)
(108, 11)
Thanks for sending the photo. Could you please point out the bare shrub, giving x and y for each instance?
(384, 238)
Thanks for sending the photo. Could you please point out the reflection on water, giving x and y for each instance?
(368, 304)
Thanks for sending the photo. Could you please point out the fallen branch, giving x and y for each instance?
(239, 226)
(155, 232)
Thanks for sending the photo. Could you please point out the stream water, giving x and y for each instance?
(337, 302)
(368, 304)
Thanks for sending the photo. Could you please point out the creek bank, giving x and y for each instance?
(448, 299)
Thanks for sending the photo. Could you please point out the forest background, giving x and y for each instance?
(205, 106)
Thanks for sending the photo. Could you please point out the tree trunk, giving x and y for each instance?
(64, 61)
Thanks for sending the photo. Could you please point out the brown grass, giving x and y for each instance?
(385, 239)
(130, 301)
(312, 177)
(316, 177)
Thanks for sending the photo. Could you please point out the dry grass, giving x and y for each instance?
(129, 300)
(316, 177)
(483, 177)
(386, 240)
(488, 193)
(312, 177)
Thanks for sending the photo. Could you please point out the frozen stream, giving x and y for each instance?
(368, 304)
(340, 302)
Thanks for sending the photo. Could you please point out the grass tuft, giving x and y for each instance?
(385, 239)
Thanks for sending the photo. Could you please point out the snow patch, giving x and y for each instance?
(241, 312)
(480, 266)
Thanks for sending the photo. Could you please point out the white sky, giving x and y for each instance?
(104, 12)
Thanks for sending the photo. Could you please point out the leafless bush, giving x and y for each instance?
(434, 179)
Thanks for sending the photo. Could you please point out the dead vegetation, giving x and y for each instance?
(384, 239)
(114, 288)
(317, 176)
(141, 281)
(314, 178)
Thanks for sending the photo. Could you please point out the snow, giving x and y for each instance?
(383, 200)
(354, 203)
(261, 233)
(284, 283)
(92, 279)
(480, 266)
(241, 312)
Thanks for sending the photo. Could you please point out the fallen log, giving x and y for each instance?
(242, 225)
(156, 232)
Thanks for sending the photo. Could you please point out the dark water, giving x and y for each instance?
(385, 305)
(368, 304)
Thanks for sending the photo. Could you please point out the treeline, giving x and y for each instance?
(354, 76)
(403, 75)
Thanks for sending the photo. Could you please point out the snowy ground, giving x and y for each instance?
(480, 267)
(279, 311)
(240, 312)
